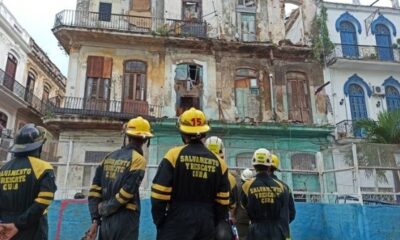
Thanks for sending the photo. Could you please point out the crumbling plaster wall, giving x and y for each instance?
(154, 58)
(314, 74)
(227, 64)
(174, 57)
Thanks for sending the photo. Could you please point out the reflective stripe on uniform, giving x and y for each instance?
(46, 194)
(120, 199)
(223, 194)
(160, 196)
(125, 194)
(222, 201)
(162, 188)
(94, 194)
(131, 206)
(95, 187)
(43, 201)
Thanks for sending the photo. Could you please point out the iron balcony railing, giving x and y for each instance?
(349, 129)
(15, 88)
(129, 23)
(364, 52)
(118, 109)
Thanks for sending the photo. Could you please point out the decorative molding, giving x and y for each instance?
(355, 79)
(391, 81)
(383, 20)
(347, 17)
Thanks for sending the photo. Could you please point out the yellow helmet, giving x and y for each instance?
(262, 157)
(138, 127)
(193, 121)
(275, 161)
(215, 144)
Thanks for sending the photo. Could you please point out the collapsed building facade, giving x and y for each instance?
(157, 58)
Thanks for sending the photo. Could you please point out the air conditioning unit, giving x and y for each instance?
(378, 90)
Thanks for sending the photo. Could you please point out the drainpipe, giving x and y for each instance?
(272, 97)
(71, 144)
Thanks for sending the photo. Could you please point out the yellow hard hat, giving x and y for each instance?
(193, 121)
(138, 127)
(215, 145)
(262, 157)
(275, 161)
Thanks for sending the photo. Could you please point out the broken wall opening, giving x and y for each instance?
(188, 86)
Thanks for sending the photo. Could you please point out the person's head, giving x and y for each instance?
(192, 125)
(215, 145)
(275, 162)
(262, 160)
(29, 141)
(246, 175)
(138, 130)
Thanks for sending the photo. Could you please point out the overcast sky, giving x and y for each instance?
(37, 17)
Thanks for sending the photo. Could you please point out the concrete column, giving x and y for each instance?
(395, 3)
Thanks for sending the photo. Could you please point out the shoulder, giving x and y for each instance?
(138, 161)
(173, 154)
(39, 166)
(246, 185)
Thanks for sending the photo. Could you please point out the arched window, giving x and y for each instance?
(384, 43)
(243, 160)
(46, 92)
(135, 81)
(3, 121)
(30, 86)
(392, 98)
(11, 69)
(348, 39)
(298, 97)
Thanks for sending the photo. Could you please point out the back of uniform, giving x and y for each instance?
(264, 199)
(116, 186)
(27, 186)
(190, 192)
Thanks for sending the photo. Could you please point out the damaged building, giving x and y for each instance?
(157, 58)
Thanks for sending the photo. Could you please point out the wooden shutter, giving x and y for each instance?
(99, 67)
(11, 66)
(95, 67)
(107, 67)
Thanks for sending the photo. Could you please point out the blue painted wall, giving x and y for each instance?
(313, 221)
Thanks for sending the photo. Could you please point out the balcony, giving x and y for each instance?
(347, 129)
(21, 94)
(364, 57)
(116, 109)
(130, 24)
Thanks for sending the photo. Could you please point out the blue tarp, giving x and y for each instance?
(69, 219)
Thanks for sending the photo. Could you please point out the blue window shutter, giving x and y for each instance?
(348, 39)
(383, 43)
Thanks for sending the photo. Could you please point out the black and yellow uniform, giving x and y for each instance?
(116, 188)
(264, 200)
(27, 187)
(190, 193)
(233, 191)
(242, 218)
(288, 213)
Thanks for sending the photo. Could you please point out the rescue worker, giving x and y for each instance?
(240, 213)
(215, 145)
(114, 195)
(27, 187)
(190, 191)
(264, 199)
(289, 216)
